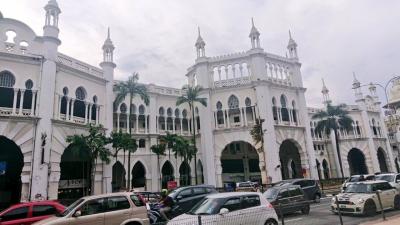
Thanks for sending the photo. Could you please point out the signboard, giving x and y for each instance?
(172, 185)
(78, 183)
(3, 167)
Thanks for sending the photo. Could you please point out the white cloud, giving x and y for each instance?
(156, 37)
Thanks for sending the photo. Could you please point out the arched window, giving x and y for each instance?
(284, 110)
(177, 113)
(247, 102)
(233, 102)
(64, 101)
(220, 114)
(142, 110)
(29, 84)
(28, 94)
(294, 111)
(161, 111)
(142, 143)
(234, 111)
(65, 91)
(374, 127)
(219, 105)
(123, 108)
(169, 112)
(274, 109)
(7, 79)
(80, 93)
(95, 99)
(184, 113)
(358, 130)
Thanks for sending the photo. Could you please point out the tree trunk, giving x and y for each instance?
(194, 140)
(93, 176)
(158, 163)
(130, 136)
(338, 152)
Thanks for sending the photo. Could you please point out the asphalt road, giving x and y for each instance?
(320, 215)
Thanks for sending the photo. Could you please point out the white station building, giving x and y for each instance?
(46, 96)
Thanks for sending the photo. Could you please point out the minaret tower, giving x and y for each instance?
(292, 47)
(357, 88)
(51, 23)
(254, 36)
(200, 45)
(325, 94)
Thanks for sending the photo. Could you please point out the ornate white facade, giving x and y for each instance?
(46, 95)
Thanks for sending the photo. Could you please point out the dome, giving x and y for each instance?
(394, 94)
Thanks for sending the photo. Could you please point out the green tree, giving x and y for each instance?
(186, 151)
(257, 134)
(332, 119)
(95, 141)
(158, 149)
(168, 140)
(130, 89)
(191, 96)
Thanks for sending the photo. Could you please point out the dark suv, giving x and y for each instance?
(186, 197)
(287, 199)
(310, 187)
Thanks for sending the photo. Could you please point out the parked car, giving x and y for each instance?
(392, 178)
(111, 209)
(30, 212)
(246, 186)
(186, 197)
(150, 197)
(310, 187)
(231, 208)
(361, 198)
(288, 199)
(357, 178)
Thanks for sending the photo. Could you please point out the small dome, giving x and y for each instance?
(53, 3)
(253, 31)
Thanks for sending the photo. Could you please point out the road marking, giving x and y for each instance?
(294, 219)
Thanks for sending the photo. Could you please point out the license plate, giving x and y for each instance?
(342, 206)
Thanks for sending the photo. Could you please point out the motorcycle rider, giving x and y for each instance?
(166, 203)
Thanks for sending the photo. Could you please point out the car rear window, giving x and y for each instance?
(43, 210)
(15, 214)
(137, 201)
(117, 203)
(251, 201)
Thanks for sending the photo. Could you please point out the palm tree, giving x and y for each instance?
(181, 148)
(158, 149)
(191, 97)
(168, 140)
(95, 141)
(257, 134)
(333, 118)
(130, 88)
(116, 140)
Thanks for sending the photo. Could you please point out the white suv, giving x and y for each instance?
(392, 178)
(361, 198)
(232, 208)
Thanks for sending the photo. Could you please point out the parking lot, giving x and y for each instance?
(321, 215)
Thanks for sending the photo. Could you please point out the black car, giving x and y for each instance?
(288, 199)
(186, 197)
(310, 187)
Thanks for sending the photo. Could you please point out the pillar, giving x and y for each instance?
(173, 125)
(86, 112)
(137, 123)
(71, 118)
(97, 114)
(181, 125)
(59, 107)
(21, 102)
(118, 115)
(90, 112)
(15, 101)
(33, 103)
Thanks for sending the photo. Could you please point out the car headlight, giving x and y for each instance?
(360, 201)
(333, 200)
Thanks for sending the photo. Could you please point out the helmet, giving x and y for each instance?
(164, 192)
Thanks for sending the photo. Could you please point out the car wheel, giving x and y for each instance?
(271, 222)
(397, 202)
(369, 208)
(317, 198)
(306, 210)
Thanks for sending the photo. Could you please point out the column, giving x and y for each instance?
(15, 101)
(195, 124)
(241, 117)
(97, 114)
(59, 107)
(188, 124)
(33, 103)
(165, 123)
(137, 123)
(245, 116)
(228, 119)
(90, 113)
(253, 113)
(181, 126)
(279, 115)
(145, 123)
(72, 110)
(86, 112)
(216, 120)
(67, 112)
(223, 115)
(118, 114)
(173, 125)
(290, 116)
(21, 102)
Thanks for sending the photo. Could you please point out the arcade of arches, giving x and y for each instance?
(290, 160)
(240, 162)
(75, 178)
(11, 163)
(356, 160)
(138, 176)
(382, 161)
(118, 177)
(167, 174)
(184, 174)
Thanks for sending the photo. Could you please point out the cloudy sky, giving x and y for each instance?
(156, 37)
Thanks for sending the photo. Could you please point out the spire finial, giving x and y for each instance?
(108, 33)
(290, 34)
(198, 30)
(252, 21)
(323, 82)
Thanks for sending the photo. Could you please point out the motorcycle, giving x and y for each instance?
(155, 215)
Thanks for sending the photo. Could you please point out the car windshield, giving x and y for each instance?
(244, 185)
(70, 208)
(388, 178)
(271, 193)
(358, 188)
(354, 179)
(208, 206)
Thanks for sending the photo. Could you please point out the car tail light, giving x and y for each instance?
(270, 206)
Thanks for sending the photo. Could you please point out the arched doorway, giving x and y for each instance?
(184, 174)
(240, 162)
(290, 160)
(200, 175)
(75, 178)
(167, 173)
(138, 176)
(356, 160)
(318, 169)
(382, 161)
(118, 177)
(326, 169)
(11, 163)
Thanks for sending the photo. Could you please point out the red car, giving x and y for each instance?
(29, 212)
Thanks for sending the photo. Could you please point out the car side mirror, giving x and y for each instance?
(398, 181)
(179, 197)
(223, 211)
(78, 213)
